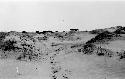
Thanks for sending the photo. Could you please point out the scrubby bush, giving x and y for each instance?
(9, 45)
(121, 54)
(2, 37)
(99, 52)
(29, 51)
(79, 50)
(88, 49)
(120, 30)
(27, 54)
(104, 52)
(8, 49)
(23, 48)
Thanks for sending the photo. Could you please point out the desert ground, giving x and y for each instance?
(97, 54)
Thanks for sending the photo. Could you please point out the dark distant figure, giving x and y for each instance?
(37, 32)
(74, 29)
(24, 32)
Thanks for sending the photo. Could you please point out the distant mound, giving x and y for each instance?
(103, 37)
(90, 49)
(67, 36)
(107, 42)
(97, 31)
(120, 30)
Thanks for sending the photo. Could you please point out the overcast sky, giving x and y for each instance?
(60, 15)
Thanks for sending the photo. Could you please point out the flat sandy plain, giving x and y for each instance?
(66, 63)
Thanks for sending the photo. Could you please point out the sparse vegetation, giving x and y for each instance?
(2, 37)
(104, 52)
(63, 56)
(26, 45)
(120, 30)
(102, 37)
(88, 49)
(121, 54)
(97, 31)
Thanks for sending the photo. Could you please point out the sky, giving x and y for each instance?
(40, 15)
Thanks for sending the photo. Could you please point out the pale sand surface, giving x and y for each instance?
(75, 66)
(32, 70)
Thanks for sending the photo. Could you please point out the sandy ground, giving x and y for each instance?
(61, 66)
(26, 70)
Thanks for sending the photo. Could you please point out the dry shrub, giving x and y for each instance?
(121, 54)
(88, 49)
